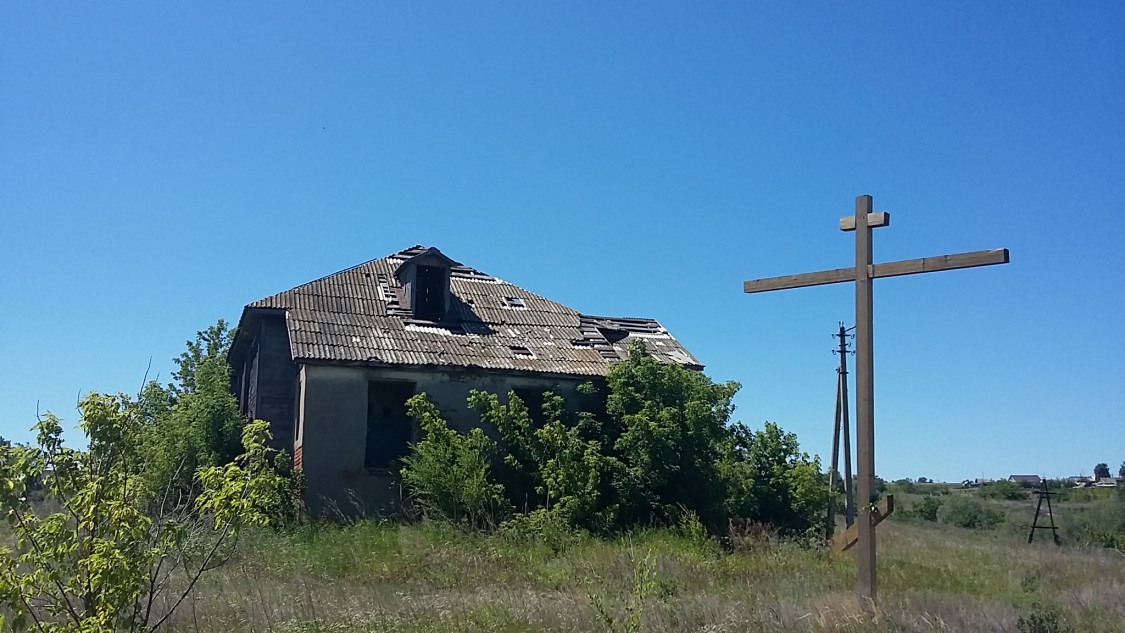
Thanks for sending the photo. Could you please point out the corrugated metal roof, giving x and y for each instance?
(355, 316)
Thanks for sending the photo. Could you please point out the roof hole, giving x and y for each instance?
(521, 352)
(515, 302)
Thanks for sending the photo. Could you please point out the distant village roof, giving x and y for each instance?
(1030, 479)
(369, 314)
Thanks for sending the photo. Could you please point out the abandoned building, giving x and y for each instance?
(331, 363)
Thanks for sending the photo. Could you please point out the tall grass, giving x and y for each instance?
(371, 576)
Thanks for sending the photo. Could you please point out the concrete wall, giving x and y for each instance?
(332, 434)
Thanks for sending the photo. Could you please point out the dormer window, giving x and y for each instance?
(430, 287)
(425, 281)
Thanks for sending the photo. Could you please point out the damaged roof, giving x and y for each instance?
(358, 316)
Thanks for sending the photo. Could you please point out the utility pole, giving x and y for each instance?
(842, 424)
(849, 496)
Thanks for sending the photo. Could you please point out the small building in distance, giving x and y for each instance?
(1026, 480)
(331, 363)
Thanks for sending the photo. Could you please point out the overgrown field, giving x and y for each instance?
(382, 577)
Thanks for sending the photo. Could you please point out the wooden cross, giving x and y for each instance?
(863, 273)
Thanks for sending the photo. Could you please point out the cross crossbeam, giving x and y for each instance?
(889, 269)
(863, 273)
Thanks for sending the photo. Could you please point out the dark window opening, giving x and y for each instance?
(515, 302)
(521, 352)
(389, 428)
(429, 293)
(533, 399)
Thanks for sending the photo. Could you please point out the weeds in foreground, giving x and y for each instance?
(644, 585)
(369, 576)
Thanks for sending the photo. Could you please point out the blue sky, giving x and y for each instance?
(163, 164)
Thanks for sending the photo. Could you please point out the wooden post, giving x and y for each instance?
(865, 399)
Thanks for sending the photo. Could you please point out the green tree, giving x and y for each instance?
(106, 560)
(1101, 470)
(674, 434)
(209, 344)
(769, 479)
(1121, 471)
(195, 423)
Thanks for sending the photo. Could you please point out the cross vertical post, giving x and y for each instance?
(863, 275)
(865, 399)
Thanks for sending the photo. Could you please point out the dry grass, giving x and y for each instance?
(371, 577)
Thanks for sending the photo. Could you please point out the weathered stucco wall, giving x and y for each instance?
(331, 440)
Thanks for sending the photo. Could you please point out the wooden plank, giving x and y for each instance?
(889, 269)
(864, 400)
(941, 262)
(874, 221)
(847, 539)
(821, 278)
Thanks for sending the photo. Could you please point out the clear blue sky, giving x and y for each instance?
(163, 164)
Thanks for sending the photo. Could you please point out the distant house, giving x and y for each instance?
(331, 363)
(1026, 480)
(1107, 482)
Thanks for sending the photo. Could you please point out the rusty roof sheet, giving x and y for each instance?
(355, 316)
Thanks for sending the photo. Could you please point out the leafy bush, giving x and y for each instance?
(448, 473)
(661, 450)
(549, 465)
(927, 508)
(769, 480)
(1102, 524)
(966, 512)
(1042, 619)
(102, 561)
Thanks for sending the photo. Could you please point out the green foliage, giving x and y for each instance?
(1004, 490)
(770, 480)
(549, 465)
(99, 564)
(1099, 524)
(195, 424)
(210, 344)
(627, 616)
(966, 512)
(927, 508)
(448, 473)
(662, 450)
(1101, 470)
(1042, 619)
(673, 438)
